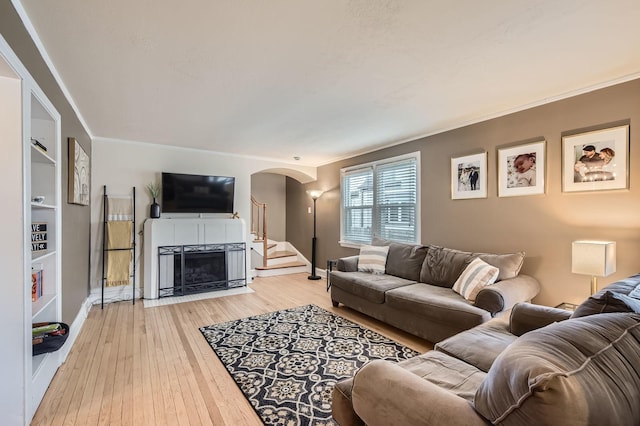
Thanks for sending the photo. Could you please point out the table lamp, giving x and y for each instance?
(595, 258)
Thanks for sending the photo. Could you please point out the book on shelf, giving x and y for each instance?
(39, 145)
(36, 284)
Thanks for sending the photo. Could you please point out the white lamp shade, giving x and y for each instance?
(595, 258)
(315, 193)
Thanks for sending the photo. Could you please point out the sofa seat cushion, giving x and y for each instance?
(481, 345)
(578, 371)
(371, 287)
(446, 372)
(438, 304)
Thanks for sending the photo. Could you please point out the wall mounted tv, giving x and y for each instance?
(196, 193)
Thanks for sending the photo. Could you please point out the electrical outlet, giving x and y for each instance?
(309, 210)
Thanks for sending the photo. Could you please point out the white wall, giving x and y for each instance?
(121, 165)
(13, 400)
(271, 189)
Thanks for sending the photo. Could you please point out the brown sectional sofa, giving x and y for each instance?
(542, 366)
(415, 292)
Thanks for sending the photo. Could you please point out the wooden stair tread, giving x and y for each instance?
(281, 265)
(269, 245)
(278, 254)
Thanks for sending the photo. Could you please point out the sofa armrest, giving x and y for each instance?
(386, 394)
(502, 295)
(348, 264)
(526, 317)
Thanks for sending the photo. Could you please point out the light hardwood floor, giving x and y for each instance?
(132, 365)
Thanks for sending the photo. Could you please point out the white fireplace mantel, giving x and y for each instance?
(175, 232)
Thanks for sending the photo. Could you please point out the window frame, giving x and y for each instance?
(373, 165)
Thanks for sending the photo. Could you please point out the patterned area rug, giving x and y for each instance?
(287, 362)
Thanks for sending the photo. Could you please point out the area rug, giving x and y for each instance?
(287, 362)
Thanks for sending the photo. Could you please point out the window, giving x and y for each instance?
(380, 199)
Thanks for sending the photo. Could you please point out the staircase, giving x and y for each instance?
(268, 257)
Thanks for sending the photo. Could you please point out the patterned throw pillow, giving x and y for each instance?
(477, 275)
(373, 259)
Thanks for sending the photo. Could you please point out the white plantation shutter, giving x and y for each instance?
(396, 200)
(357, 205)
(381, 199)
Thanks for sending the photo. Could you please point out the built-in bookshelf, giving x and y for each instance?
(30, 256)
(43, 196)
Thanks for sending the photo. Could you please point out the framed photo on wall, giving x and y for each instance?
(78, 174)
(597, 160)
(469, 176)
(521, 169)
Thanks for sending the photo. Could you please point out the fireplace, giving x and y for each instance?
(191, 269)
(198, 271)
(167, 238)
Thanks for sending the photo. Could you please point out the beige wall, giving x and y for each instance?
(269, 188)
(75, 219)
(542, 225)
(117, 165)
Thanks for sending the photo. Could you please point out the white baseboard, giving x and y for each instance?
(74, 329)
(111, 294)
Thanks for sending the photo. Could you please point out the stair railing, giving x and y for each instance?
(259, 226)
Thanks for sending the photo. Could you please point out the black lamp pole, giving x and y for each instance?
(313, 275)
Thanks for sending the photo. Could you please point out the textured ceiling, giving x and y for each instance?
(324, 80)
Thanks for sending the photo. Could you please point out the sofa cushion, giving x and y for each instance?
(373, 259)
(442, 266)
(403, 260)
(367, 286)
(446, 372)
(509, 264)
(342, 405)
(578, 371)
(603, 301)
(439, 304)
(479, 346)
(477, 275)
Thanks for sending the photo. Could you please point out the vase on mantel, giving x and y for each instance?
(154, 211)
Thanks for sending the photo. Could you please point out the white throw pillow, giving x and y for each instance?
(373, 259)
(477, 275)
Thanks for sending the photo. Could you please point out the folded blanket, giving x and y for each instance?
(635, 293)
(119, 236)
(119, 208)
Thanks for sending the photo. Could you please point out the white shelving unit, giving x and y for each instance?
(26, 172)
(42, 179)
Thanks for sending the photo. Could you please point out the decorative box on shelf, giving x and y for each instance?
(38, 237)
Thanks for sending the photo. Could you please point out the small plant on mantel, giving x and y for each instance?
(154, 191)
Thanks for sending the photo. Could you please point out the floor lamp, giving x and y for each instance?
(314, 196)
(595, 258)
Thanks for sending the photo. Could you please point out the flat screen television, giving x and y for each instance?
(183, 193)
